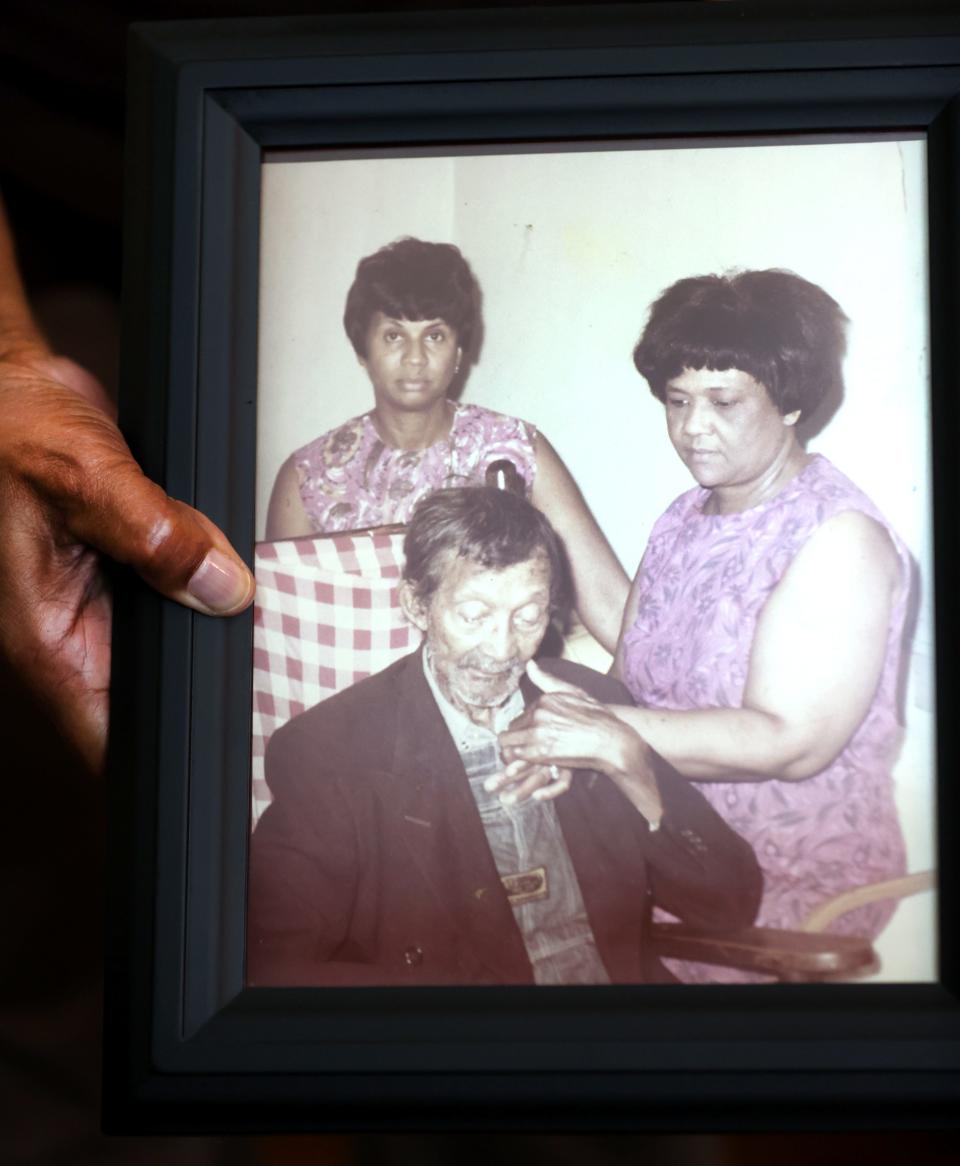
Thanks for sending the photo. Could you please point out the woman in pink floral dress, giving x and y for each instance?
(412, 314)
(763, 634)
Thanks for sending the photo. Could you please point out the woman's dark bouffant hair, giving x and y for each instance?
(413, 280)
(492, 527)
(786, 332)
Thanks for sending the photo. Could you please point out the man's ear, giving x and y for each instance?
(413, 609)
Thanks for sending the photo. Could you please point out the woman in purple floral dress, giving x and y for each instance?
(763, 634)
(412, 315)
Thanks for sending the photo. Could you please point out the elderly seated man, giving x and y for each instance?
(396, 850)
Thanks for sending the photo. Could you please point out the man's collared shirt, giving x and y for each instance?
(530, 854)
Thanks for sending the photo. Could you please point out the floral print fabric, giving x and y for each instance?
(350, 479)
(704, 580)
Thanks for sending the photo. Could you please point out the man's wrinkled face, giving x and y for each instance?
(482, 625)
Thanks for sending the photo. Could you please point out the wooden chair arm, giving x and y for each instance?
(898, 888)
(787, 955)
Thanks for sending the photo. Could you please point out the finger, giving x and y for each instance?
(538, 778)
(532, 743)
(546, 682)
(499, 780)
(555, 789)
(533, 756)
(519, 772)
(516, 745)
(515, 771)
(74, 460)
(102, 497)
(544, 782)
(173, 547)
(512, 774)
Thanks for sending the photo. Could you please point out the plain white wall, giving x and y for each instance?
(570, 249)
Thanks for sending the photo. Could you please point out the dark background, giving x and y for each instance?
(61, 161)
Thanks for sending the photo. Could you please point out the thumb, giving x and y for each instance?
(174, 548)
(547, 682)
(62, 445)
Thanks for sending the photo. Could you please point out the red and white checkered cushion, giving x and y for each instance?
(326, 615)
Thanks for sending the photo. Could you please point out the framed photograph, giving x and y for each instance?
(576, 162)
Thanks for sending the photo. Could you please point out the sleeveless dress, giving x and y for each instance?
(704, 580)
(350, 479)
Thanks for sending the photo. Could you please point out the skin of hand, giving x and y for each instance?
(70, 492)
(566, 727)
(520, 781)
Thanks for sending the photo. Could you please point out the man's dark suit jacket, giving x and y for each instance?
(371, 865)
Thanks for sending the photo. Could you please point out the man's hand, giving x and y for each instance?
(521, 780)
(70, 492)
(566, 727)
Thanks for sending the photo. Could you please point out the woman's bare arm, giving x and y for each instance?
(815, 664)
(286, 516)
(817, 657)
(600, 582)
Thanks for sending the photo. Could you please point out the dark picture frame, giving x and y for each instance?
(188, 1048)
